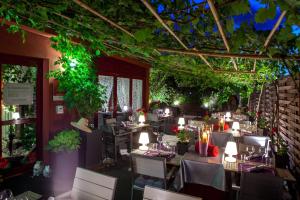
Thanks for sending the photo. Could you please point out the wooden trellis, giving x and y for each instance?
(280, 105)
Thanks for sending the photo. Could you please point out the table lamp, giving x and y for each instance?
(167, 111)
(227, 115)
(235, 127)
(144, 140)
(231, 150)
(142, 119)
(15, 115)
(181, 122)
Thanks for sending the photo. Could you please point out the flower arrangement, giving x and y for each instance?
(140, 111)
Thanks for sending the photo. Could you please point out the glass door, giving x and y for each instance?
(18, 110)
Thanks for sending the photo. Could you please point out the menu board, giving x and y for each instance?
(18, 94)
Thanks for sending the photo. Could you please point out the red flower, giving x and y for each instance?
(175, 129)
(3, 163)
(226, 126)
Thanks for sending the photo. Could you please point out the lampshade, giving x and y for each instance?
(142, 119)
(15, 115)
(228, 115)
(125, 108)
(144, 139)
(231, 150)
(235, 126)
(167, 111)
(181, 121)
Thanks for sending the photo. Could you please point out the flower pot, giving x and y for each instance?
(182, 147)
(64, 167)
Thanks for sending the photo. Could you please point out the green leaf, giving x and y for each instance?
(97, 52)
(143, 35)
(230, 25)
(265, 13)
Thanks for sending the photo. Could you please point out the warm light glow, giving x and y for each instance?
(205, 137)
(181, 122)
(142, 119)
(125, 108)
(231, 150)
(73, 63)
(176, 103)
(167, 111)
(235, 126)
(228, 115)
(144, 140)
(15, 115)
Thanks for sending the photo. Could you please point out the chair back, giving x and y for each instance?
(260, 187)
(149, 166)
(110, 121)
(256, 140)
(151, 193)
(91, 185)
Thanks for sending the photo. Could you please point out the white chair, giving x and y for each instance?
(151, 170)
(151, 193)
(89, 185)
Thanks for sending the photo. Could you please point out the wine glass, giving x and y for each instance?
(250, 150)
(159, 140)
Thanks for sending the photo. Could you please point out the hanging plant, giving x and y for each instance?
(77, 79)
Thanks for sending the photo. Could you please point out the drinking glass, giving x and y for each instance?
(250, 150)
(159, 140)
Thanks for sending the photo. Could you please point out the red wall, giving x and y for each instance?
(37, 47)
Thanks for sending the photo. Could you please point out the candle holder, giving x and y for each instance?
(203, 139)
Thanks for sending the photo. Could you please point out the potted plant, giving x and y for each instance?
(64, 147)
(183, 141)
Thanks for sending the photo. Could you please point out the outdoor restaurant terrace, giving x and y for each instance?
(150, 99)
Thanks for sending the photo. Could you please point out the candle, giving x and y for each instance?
(205, 137)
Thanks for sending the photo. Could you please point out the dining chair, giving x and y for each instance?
(151, 193)
(89, 185)
(260, 187)
(118, 135)
(149, 171)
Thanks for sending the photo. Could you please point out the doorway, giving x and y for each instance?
(20, 119)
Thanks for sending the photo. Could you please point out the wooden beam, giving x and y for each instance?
(227, 55)
(233, 72)
(83, 5)
(220, 28)
(267, 42)
(154, 13)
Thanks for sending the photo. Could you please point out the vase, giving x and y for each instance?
(203, 149)
(182, 147)
(63, 170)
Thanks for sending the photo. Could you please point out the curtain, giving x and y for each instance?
(108, 82)
(123, 92)
(137, 94)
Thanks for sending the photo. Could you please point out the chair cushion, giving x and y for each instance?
(142, 181)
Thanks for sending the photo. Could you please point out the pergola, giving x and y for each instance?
(200, 29)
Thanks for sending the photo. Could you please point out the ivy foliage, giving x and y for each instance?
(191, 21)
(77, 79)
